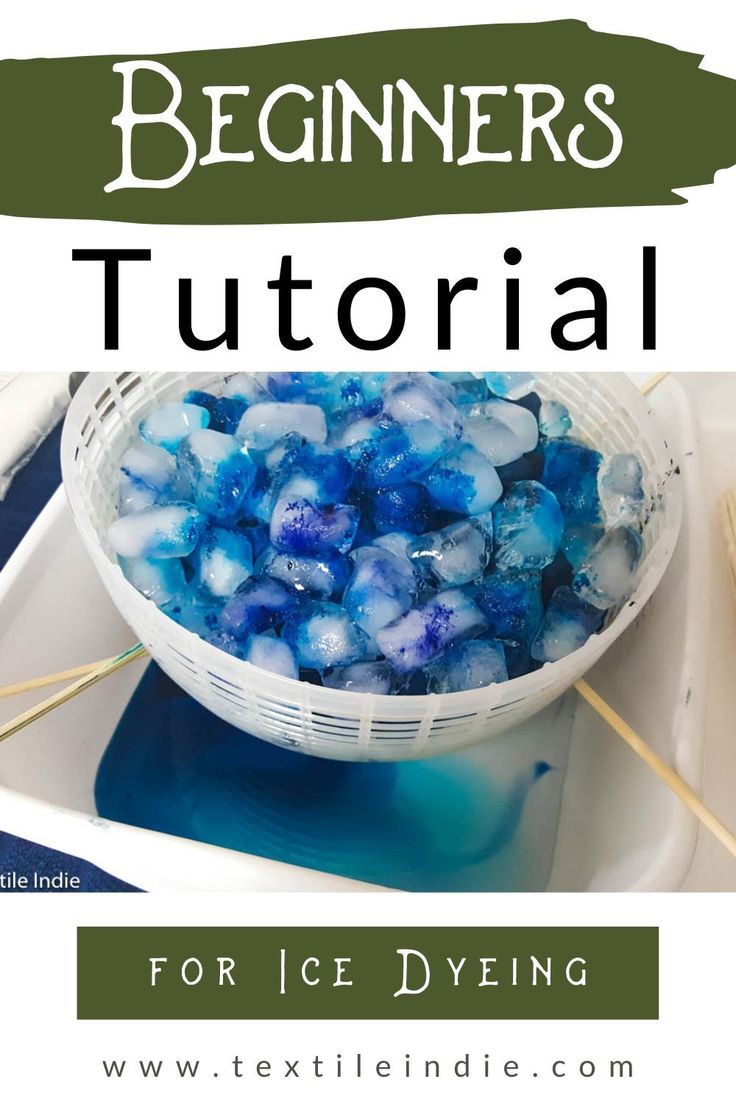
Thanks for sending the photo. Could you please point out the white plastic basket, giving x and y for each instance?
(607, 411)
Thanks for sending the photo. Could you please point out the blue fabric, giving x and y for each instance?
(29, 492)
(29, 859)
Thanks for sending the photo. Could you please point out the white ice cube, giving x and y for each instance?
(501, 430)
(266, 423)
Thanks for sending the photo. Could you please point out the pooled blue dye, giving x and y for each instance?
(434, 825)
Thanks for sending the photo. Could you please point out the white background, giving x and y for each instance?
(51, 317)
(688, 1051)
(52, 308)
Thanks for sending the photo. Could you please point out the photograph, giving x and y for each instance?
(333, 631)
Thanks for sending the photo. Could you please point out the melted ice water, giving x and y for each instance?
(479, 820)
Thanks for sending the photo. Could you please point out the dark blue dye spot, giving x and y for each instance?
(436, 628)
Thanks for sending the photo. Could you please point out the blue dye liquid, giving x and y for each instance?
(434, 825)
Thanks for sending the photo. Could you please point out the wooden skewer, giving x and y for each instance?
(727, 513)
(670, 777)
(652, 382)
(99, 671)
(49, 680)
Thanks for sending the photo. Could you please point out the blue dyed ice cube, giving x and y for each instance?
(464, 482)
(578, 541)
(407, 508)
(150, 466)
(468, 388)
(403, 453)
(323, 635)
(607, 577)
(321, 474)
(259, 537)
(161, 532)
(364, 678)
(410, 397)
(455, 555)
(512, 606)
(323, 577)
(260, 604)
(279, 453)
(568, 622)
(227, 413)
(425, 632)
(170, 423)
(257, 503)
(397, 542)
(225, 642)
(502, 431)
(224, 561)
(248, 386)
(298, 526)
(293, 387)
(266, 423)
(217, 472)
(354, 431)
(468, 666)
(134, 497)
(554, 419)
(382, 587)
(527, 527)
(346, 392)
(202, 398)
(510, 385)
(195, 612)
(571, 473)
(271, 654)
(356, 391)
(620, 487)
(159, 580)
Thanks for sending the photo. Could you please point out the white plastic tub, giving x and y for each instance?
(617, 827)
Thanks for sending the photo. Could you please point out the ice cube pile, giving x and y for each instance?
(385, 533)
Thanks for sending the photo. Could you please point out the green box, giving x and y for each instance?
(473, 973)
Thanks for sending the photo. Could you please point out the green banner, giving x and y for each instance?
(372, 126)
(368, 973)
